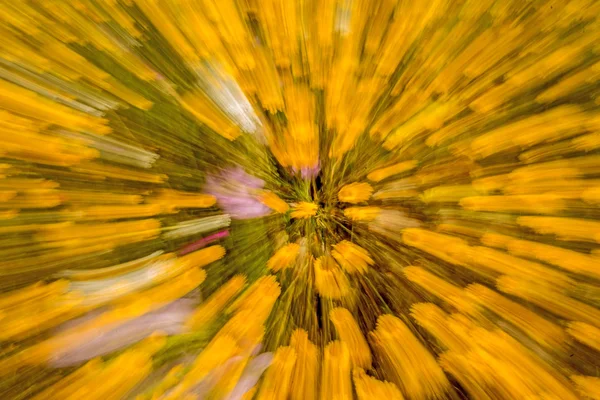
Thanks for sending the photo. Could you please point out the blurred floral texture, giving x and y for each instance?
(312, 199)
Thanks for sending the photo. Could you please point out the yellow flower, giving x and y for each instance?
(362, 213)
(304, 210)
(219, 350)
(284, 257)
(368, 388)
(172, 378)
(306, 369)
(277, 381)
(587, 386)
(258, 299)
(585, 333)
(383, 173)
(550, 298)
(538, 328)
(349, 332)
(335, 377)
(451, 294)
(201, 107)
(273, 201)
(351, 258)
(451, 331)
(216, 302)
(569, 229)
(203, 257)
(355, 193)
(330, 280)
(246, 326)
(249, 395)
(172, 201)
(405, 360)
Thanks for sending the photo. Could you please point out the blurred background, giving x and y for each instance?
(311, 199)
